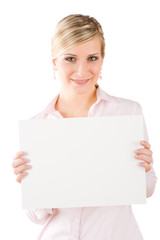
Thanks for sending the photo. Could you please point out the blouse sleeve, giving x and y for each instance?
(151, 178)
(40, 216)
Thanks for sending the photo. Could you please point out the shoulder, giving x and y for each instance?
(129, 105)
(49, 109)
(121, 105)
(40, 115)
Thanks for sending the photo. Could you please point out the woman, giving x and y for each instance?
(78, 50)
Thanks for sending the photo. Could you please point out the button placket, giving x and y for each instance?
(91, 110)
(76, 224)
(76, 228)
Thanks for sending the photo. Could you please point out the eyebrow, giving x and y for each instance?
(88, 55)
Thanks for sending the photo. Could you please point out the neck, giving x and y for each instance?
(75, 103)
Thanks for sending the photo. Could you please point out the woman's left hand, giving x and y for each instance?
(144, 154)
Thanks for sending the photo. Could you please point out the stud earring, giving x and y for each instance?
(54, 75)
(100, 75)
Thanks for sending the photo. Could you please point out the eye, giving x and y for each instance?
(70, 59)
(93, 58)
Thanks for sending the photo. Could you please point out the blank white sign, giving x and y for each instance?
(80, 162)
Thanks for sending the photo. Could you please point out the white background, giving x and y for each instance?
(131, 70)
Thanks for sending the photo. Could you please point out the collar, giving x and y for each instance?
(101, 95)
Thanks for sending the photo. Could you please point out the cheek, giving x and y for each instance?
(97, 69)
(64, 71)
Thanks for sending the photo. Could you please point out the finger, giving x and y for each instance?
(143, 157)
(145, 144)
(145, 151)
(18, 155)
(19, 162)
(145, 165)
(20, 176)
(21, 168)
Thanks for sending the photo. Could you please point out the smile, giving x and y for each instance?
(80, 82)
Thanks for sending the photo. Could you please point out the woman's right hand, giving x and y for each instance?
(19, 165)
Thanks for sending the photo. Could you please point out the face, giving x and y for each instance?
(79, 67)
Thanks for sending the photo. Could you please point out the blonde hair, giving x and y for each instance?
(73, 30)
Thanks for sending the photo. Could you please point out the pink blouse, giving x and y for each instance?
(93, 223)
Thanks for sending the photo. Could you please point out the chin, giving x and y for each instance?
(83, 89)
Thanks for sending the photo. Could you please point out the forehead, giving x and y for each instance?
(89, 47)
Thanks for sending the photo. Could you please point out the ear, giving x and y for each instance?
(54, 64)
(102, 60)
(102, 63)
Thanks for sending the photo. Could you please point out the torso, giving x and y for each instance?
(70, 114)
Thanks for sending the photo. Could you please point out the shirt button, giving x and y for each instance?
(76, 220)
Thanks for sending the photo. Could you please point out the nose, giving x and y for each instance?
(82, 69)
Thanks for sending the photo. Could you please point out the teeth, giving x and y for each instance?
(80, 80)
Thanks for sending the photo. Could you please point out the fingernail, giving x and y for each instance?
(26, 160)
(21, 152)
(25, 173)
(141, 164)
(29, 166)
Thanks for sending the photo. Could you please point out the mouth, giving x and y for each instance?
(80, 82)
